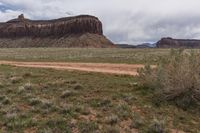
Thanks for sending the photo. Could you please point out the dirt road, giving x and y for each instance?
(122, 69)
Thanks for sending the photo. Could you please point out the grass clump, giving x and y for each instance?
(157, 126)
(5, 100)
(28, 86)
(123, 111)
(112, 120)
(176, 78)
(35, 101)
(15, 80)
(112, 129)
(57, 125)
(78, 87)
(67, 93)
(88, 127)
(137, 121)
(106, 103)
(21, 89)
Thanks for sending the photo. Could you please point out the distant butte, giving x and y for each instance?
(178, 43)
(77, 31)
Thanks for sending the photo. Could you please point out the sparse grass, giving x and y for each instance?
(84, 55)
(36, 103)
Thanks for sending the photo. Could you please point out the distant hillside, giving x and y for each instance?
(178, 43)
(78, 31)
(125, 46)
(144, 45)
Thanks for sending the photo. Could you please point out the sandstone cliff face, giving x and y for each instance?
(178, 43)
(63, 32)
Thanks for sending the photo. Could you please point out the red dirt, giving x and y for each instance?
(121, 69)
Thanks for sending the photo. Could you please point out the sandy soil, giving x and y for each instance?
(122, 69)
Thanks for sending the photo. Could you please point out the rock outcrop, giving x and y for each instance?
(78, 31)
(178, 43)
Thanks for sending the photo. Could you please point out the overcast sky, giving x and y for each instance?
(124, 21)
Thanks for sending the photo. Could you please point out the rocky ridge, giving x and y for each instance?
(77, 31)
(178, 43)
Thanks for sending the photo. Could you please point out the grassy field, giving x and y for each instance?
(38, 100)
(129, 56)
(48, 101)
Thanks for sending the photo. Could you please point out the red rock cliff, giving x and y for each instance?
(79, 31)
(21, 27)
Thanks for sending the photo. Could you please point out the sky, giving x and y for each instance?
(124, 21)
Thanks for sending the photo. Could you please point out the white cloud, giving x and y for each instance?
(131, 21)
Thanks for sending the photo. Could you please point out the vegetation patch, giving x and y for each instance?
(67, 93)
(105, 104)
(175, 79)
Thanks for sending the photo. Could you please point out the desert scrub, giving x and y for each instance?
(21, 90)
(67, 93)
(176, 78)
(4, 100)
(28, 86)
(112, 120)
(123, 111)
(78, 87)
(57, 125)
(15, 80)
(137, 121)
(157, 126)
(88, 127)
(111, 129)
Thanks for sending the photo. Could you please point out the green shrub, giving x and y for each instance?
(176, 78)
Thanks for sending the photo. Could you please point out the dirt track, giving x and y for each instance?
(123, 69)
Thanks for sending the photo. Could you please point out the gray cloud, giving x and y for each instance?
(127, 21)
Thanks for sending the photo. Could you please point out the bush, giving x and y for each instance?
(67, 93)
(4, 100)
(112, 120)
(176, 78)
(88, 127)
(157, 126)
(15, 80)
(137, 121)
(35, 101)
(28, 86)
(78, 87)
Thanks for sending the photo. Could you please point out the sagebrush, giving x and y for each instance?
(175, 78)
